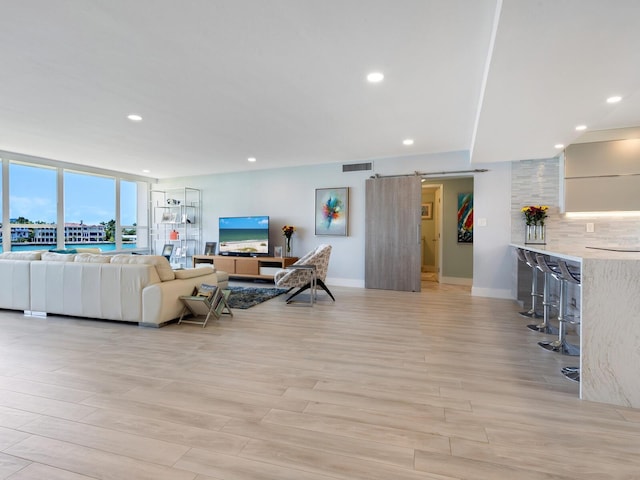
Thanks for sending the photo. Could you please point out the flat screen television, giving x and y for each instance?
(243, 236)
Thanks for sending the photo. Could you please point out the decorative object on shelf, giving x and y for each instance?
(277, 251)
(465, 218)
(332, 211)
(174, 235)
(535, 230)
(288, 231)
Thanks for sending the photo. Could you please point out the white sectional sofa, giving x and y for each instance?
(130, 288)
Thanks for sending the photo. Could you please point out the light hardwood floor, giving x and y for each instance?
(378, 386)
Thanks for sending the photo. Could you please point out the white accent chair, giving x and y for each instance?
(311, 268)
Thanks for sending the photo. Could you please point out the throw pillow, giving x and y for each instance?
(92, 258)
(35, 255)
(57, 257)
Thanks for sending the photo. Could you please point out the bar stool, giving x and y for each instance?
(571, 276)
(559, 271)
(543, 327)
(532, 312)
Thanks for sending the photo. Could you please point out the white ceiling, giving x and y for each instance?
(218, 81)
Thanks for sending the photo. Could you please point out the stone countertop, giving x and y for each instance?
(580, 253)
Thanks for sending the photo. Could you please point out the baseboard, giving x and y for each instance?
(492, 293)
(344, 282)
(457, 281)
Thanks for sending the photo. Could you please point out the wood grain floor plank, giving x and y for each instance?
(107, 440)
(226, 467)
(318, 461)
(91, 462)
(36, 471)
(155, 411)
(168, 431)
(335, 441)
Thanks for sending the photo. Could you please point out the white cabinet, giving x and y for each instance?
(602, 176)
(176, 220)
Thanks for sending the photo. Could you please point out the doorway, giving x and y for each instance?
(431, 248)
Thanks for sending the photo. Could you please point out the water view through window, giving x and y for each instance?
(89, 209)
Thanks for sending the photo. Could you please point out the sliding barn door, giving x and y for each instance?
(392, 244)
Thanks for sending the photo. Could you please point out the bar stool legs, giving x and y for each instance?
(533, 311)
(543, 327)
(572, 373)
(561, 345)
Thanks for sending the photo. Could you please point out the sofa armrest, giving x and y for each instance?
(161, 302)
(15, 290)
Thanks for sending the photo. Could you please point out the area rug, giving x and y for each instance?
(247, 297)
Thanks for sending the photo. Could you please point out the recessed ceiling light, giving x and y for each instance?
(134, 117)
(407, 141)
(581, 127)
(375, 77)
(251, 159)
(146, 171)
(614, 99)
(559, 145)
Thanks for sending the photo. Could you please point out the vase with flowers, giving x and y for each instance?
(534, 217)
(288, 231)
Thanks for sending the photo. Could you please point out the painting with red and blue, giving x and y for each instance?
(465, 218)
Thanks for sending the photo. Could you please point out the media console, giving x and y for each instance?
(246, 267)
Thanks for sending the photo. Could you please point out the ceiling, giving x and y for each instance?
(218, 81)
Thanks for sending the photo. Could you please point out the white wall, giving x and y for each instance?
(287, 195)
(492, 257)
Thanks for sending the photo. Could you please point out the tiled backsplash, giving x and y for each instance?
(537, 182)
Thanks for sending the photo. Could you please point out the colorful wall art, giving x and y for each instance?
(465, 218)
(332, 211)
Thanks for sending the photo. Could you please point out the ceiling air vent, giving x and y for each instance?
(356, 167)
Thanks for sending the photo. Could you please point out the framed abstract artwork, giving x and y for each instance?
(465, 218)
(332, 211)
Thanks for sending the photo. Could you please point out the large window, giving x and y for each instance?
(89, 210)
(32, 206)
(96, 207)
(129, 213)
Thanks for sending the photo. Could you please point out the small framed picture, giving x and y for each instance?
(427, 211)
(210, 248)
(277, 251)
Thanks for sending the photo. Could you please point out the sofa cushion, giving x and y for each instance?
(34, 255)
(58, 257)
(91, 258)
(163, 267)
(193, 272)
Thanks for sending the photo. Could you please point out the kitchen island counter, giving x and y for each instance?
(610, 320)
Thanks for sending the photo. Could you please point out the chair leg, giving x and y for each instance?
(302, 289)
(324, 287)
(320, 283)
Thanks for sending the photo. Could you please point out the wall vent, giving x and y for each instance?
(357, 167)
